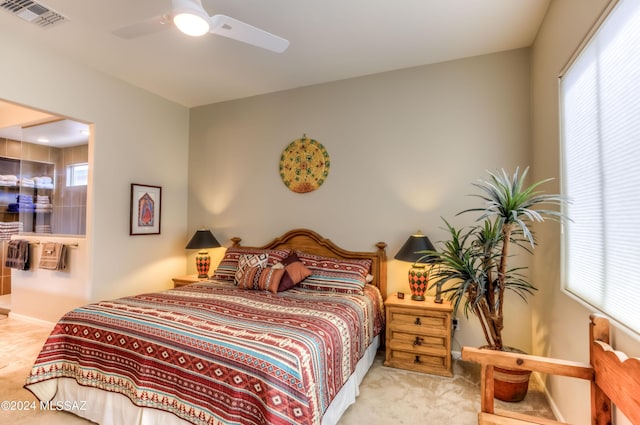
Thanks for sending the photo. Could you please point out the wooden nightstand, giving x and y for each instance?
(185, 280)
(418, 335)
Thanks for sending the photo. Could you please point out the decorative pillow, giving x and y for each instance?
(246, 262)
(262, 278)
(229, 265)
(335, 274)
(294, 272)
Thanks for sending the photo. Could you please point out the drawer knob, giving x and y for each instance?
(417, 322)
(417, 360)
(418, 341)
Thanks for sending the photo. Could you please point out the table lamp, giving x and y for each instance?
(202, 240)
(418, 273)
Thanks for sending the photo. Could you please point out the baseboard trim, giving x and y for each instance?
(547, 395)
(32, 320)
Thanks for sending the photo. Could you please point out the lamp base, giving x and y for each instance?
(418, 280)
(203, 261)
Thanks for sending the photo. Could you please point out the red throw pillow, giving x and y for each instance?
(294, 272)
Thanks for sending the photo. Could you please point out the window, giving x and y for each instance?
(77, 174)
(600, 107)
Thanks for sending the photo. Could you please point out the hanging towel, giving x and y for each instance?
(53, 256)
(18, 254)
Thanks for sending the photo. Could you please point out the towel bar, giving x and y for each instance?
(71, 245)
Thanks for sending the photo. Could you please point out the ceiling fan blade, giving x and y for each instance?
(232, 28)
(147, 26)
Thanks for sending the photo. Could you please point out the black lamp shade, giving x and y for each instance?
(203, 239)
(410, 249)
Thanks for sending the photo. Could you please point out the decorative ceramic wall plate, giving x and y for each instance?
(304, 165)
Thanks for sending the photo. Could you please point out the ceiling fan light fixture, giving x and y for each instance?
(190, 17)
(190, 24)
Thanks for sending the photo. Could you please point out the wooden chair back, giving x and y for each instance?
(615, 379)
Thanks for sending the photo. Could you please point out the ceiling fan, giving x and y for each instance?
(190, 17)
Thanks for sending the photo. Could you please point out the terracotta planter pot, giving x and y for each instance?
(509, 384)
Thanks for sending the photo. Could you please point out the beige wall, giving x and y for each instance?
(559, 323)
(137, 138)
(405, 147)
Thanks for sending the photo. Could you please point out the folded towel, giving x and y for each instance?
(26, 182)
(10, 224)
(40, 228)
(8, 229)
(43, 180)
(21, 207)
(53, 256)
(18, 254)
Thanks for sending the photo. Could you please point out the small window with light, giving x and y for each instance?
(77, 174)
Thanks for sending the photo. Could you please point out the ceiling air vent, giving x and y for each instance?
(32, 12)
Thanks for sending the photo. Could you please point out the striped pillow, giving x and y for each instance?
(335, 274)
(262, 278)
(229, 265)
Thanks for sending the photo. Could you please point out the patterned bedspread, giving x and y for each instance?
(212, 353)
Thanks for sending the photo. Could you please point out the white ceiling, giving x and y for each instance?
(59, 133)
(329, 40)
(29, 125)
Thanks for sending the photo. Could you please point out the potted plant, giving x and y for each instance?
(472, 270)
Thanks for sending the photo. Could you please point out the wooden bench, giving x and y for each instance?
(615, 379)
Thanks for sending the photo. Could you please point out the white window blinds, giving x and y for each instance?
(600, 107)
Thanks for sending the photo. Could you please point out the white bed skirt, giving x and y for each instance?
(108, 408)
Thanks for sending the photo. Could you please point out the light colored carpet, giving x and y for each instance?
(394, 396)
(387, 396)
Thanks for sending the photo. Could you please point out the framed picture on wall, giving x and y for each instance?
(146, 202)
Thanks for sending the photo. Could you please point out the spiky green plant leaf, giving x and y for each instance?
(471, 268)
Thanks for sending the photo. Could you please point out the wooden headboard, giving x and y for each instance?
(309, 241)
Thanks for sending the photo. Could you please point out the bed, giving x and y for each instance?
(236, 349)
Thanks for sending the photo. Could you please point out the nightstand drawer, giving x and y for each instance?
(417, 321)
(435, 364)
(417, 342)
